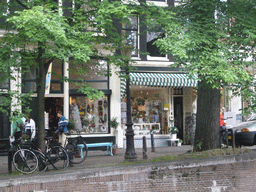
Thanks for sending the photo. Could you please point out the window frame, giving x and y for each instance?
(124, 30)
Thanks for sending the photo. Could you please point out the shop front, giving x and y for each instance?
(159, 101)
(89, 116)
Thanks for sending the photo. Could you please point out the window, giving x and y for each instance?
(29, 79)
(151, 48)
(4, 82)
(89, 116)
(95, 75)
(131, 31)
(57, 74)
(4, 118)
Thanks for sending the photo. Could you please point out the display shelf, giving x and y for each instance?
(144, 128)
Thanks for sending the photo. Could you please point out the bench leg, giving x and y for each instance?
(109, 150)
(81, 151)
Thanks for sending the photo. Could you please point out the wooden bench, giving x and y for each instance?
(106, 144)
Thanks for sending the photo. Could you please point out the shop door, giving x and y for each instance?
(52, 106)
(178, 115)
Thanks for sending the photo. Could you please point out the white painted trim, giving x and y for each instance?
(153, 63)
(157, 3)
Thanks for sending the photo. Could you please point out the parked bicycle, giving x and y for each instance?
(24, 160)
(76, 148)
(55, 155)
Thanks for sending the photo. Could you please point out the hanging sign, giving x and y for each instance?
(48, 79)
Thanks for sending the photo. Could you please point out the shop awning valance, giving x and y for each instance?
(160, 80)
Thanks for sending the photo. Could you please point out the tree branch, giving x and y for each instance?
(26, 7)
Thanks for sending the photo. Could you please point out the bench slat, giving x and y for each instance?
(106, 144)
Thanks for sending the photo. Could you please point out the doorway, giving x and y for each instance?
(52, 106)
(178, 115)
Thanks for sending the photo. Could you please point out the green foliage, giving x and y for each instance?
(37, 34)
(198, 146)
(114, 123)
(216, 41)
(173, 130)
(71, 125)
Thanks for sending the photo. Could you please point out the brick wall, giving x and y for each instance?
(239, 176)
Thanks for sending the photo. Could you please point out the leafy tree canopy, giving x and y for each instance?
(216, 41)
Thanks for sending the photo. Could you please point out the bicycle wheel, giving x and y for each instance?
(25, 161)
(58, 157)
(42, 161)
(70, 149)
(80, 152)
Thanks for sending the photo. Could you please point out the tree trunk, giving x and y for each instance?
(40, 100)
(207, 119)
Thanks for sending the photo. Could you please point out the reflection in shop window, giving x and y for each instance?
(95, 85)
(151, 47)
(131, 31)
(89, 116)
(29, 78)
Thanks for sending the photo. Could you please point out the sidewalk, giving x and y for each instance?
(99, 158)
(97, 174)
(97, 167)
(98, 163)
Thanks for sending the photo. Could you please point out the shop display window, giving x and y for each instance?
(89, 116)
(146, 115)
(146, 111)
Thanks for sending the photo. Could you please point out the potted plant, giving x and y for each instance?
(71, 125)
(114, 123)
(179, 142)
(173, 131)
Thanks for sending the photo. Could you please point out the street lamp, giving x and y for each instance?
(130, 151)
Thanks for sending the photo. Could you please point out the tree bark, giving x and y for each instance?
(43, 66)
(207, 120)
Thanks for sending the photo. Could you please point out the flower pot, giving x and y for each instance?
(174, 136)
(114, 151)
(178, 144)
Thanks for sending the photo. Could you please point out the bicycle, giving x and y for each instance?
(55, 155)
(24, 160)
(76, 149)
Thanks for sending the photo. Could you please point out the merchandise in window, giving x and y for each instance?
(89, 116)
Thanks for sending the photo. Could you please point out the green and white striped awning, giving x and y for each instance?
(160, 80)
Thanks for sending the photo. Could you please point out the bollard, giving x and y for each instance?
(10, 156)
(233, 138)
(144, 149)
(152, 141)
